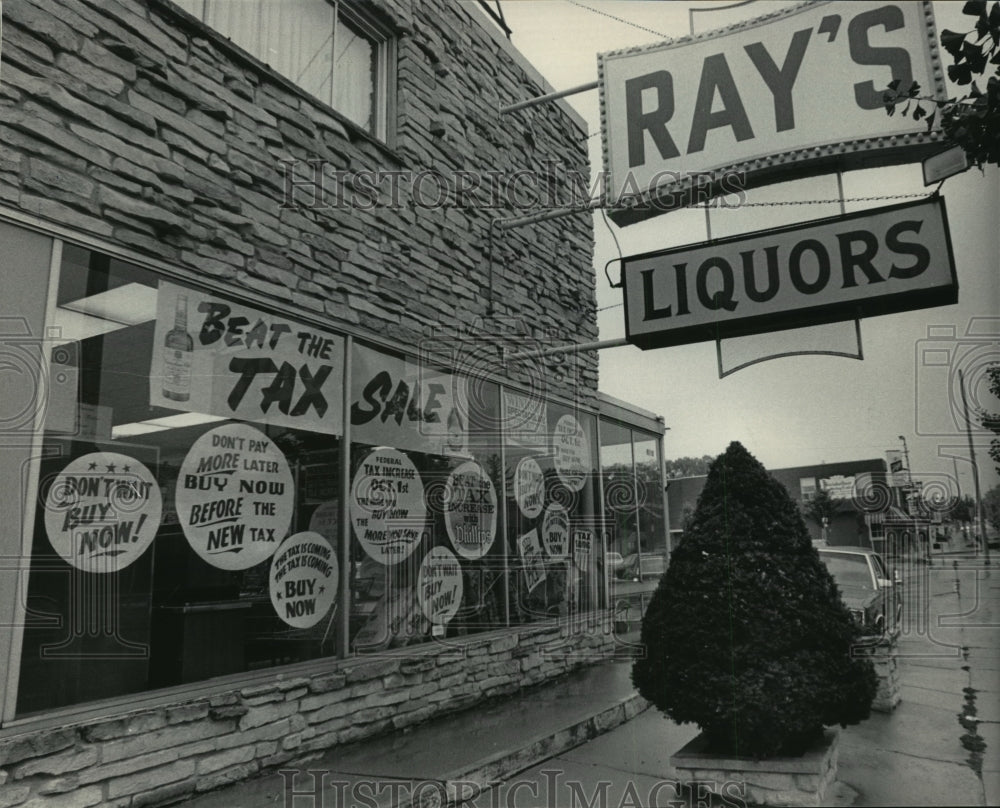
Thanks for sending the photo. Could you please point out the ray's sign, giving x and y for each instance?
(875, 262)
(795, 93)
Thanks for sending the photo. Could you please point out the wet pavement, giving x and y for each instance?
(586, 739)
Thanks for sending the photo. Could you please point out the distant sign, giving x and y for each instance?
(532, 561)
(838, 486)
(797, 92)
(571, 449)
(945, 164)
(529, 487)
(874, 262)
(555, 531)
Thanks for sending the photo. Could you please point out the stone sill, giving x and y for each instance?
(693, 756)
(128, 704)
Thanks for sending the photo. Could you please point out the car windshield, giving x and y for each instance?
(848, 570)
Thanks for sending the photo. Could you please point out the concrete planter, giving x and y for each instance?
(804, 780)
(883, 657)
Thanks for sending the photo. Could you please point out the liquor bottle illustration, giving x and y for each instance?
(178, 348)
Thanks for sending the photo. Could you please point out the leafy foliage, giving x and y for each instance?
(746, 634)
(821, 506)
(991, 420)
(964, 510)
(687, 466)
(971, 121)
(991, 506)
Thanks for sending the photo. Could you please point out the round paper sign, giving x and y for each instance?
(234, 497)
(555, 531)
(304, 578)
(387, 506)
(470, 504)
(572, 452)
(529, 487)
(439, 585)
(102, 511)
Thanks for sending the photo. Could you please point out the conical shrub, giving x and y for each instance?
(746, 635)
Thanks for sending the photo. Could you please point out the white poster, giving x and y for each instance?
(304, 579)
(102, 511)
(470, 504)
(572, 452)
(531, 559)
(524, 420)
(387, 506)
(439, 585)
(403, 404)
(235, 496)
(838, 487)
(217, 357)
(583, 543)
(529, 487)
(555, 531)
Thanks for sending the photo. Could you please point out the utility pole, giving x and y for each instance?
(975, 472)
(911, 503)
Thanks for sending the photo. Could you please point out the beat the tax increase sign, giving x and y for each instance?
(875, 262)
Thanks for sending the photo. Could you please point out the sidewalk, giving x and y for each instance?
(588, 735)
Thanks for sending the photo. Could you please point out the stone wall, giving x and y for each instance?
(153, 756)
(130, 121)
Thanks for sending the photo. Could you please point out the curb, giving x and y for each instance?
(460, 786)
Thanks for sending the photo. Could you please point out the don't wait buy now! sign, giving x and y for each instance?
(876, 262)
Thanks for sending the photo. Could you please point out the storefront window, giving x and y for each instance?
(426, 554)
(649, 497)
(633, 502)
(191, 495)
(555, 538)
(619, 495)
(186, 516)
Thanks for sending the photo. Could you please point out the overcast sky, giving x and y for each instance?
(797, 410)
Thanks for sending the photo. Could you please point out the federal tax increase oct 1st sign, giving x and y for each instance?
(794, 93)
(875, 262)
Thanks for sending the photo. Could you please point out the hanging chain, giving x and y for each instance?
(812, 201)
(619, 19)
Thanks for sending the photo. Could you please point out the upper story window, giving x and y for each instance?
(329, 48)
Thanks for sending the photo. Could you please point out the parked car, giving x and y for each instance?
(646, 565)
(873, 598)
(614, 562)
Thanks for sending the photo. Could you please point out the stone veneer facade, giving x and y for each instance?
(160, 754)
(130, 123)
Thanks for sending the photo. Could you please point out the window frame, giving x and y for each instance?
(147, 699)
(380, 33)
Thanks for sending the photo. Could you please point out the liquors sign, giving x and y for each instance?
(797, 92)
(876, 262)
